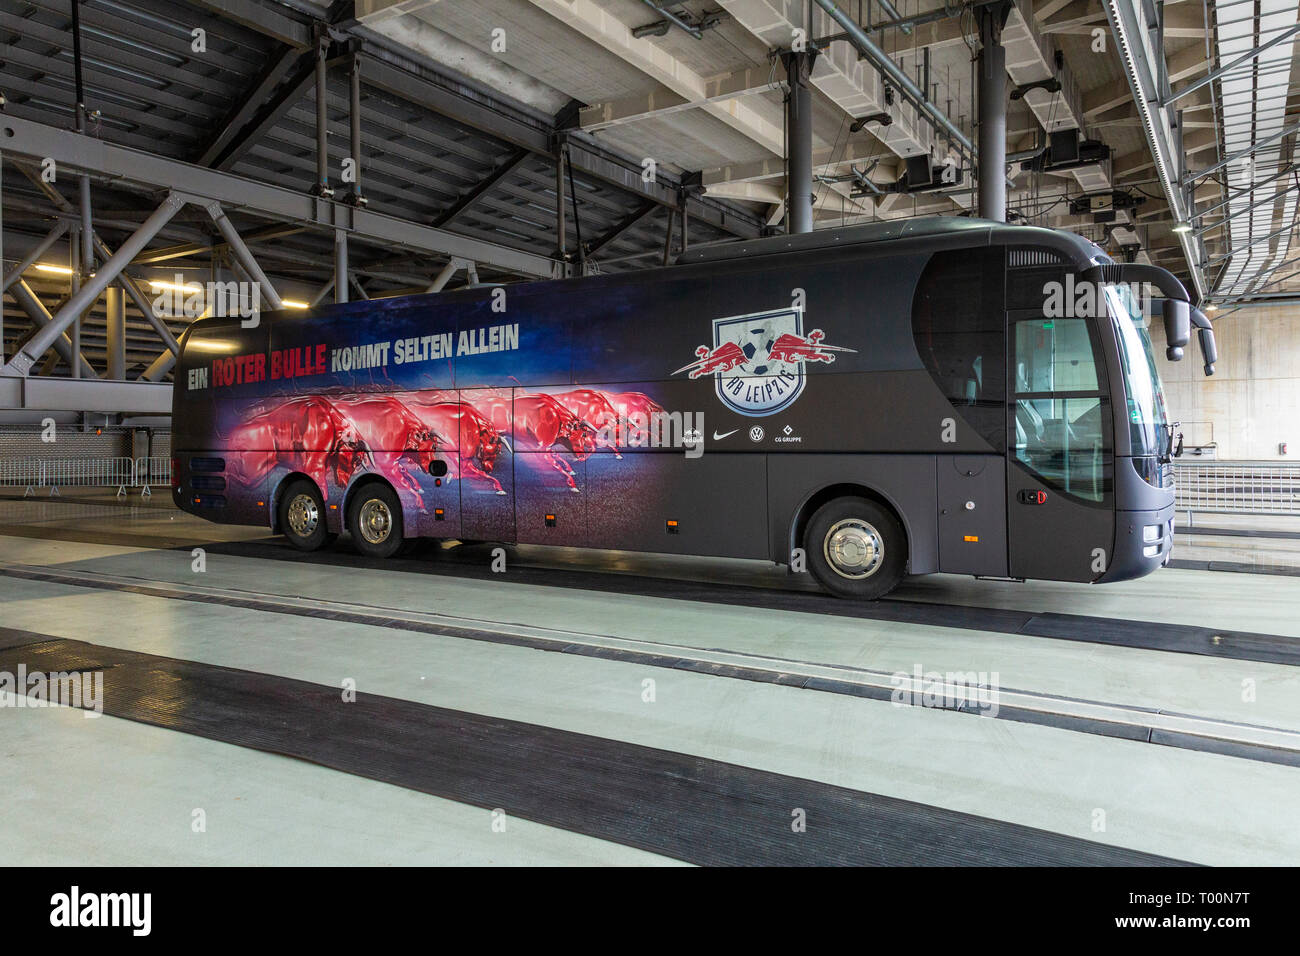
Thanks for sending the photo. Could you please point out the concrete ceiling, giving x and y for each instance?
(713, 104)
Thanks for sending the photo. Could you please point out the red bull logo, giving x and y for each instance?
(757, 360)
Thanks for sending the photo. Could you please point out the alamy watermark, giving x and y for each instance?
(653, 429)
(1082, 299)
(181, 299)
(953, 690)
(83, 690)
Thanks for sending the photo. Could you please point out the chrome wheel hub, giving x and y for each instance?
(375, 522)
(853, 548)
(303, 515)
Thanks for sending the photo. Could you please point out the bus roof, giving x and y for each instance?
(980, 232)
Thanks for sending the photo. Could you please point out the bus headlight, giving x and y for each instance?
(1152, 532)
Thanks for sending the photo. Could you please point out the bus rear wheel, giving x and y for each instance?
(302, 517)
(375, 520)
(855, 548)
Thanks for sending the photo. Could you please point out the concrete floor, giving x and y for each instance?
(124, 793)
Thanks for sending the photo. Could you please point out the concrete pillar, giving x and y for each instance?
(74, 286)
(115, 312)
(340, 265)
(992, 114)
(798, 125)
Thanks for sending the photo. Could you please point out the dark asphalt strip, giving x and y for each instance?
(684, 807)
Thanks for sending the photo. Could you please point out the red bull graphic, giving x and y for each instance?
(757, 360)
(540, 423)
(595, 409)
(724, 358)
(335, 438)
(637, 412)
(792, 348)
(311, 435)
(395, 439)
(475, 442)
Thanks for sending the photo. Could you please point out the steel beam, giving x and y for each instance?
(85, 394)
(248, 108)
(561, 232)
(261, 18)
(636, 216)
(42, 247)
(1247, 57)
(125, 281)
(322, 187)
(186, 249)
(244, 257)
(1137, 57)
(265, 118)
(35, 141)
(1235, 250)
(354, 126)
(1274, 197)
(41, 319)
(1243, 153)
(442, 278)
(324, 290)
(85, 297)
(158, 367)
(483, 188)
(141, 300)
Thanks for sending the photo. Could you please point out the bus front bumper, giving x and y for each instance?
(1144, 541)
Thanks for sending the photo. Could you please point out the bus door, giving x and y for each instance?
(1060, 502)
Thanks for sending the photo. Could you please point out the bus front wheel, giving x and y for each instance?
(302, 517)
(375, 520)
(855, 548)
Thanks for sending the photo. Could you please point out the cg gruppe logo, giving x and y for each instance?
(757, 360)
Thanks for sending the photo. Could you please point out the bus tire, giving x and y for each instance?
(855, 548)
(302, 516)
(375, 520)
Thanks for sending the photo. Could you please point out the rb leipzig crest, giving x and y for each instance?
(757, 360)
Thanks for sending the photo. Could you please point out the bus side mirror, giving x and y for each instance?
(1205, 334)
(1209, 352)
(1178, 327)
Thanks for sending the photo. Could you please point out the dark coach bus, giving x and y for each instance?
(906, 397)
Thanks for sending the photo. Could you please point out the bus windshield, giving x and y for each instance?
(1148, 421)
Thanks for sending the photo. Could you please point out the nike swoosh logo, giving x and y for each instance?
(717, 437)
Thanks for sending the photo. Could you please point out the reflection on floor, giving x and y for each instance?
(111, 790)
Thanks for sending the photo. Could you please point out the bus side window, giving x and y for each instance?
(957, 325)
